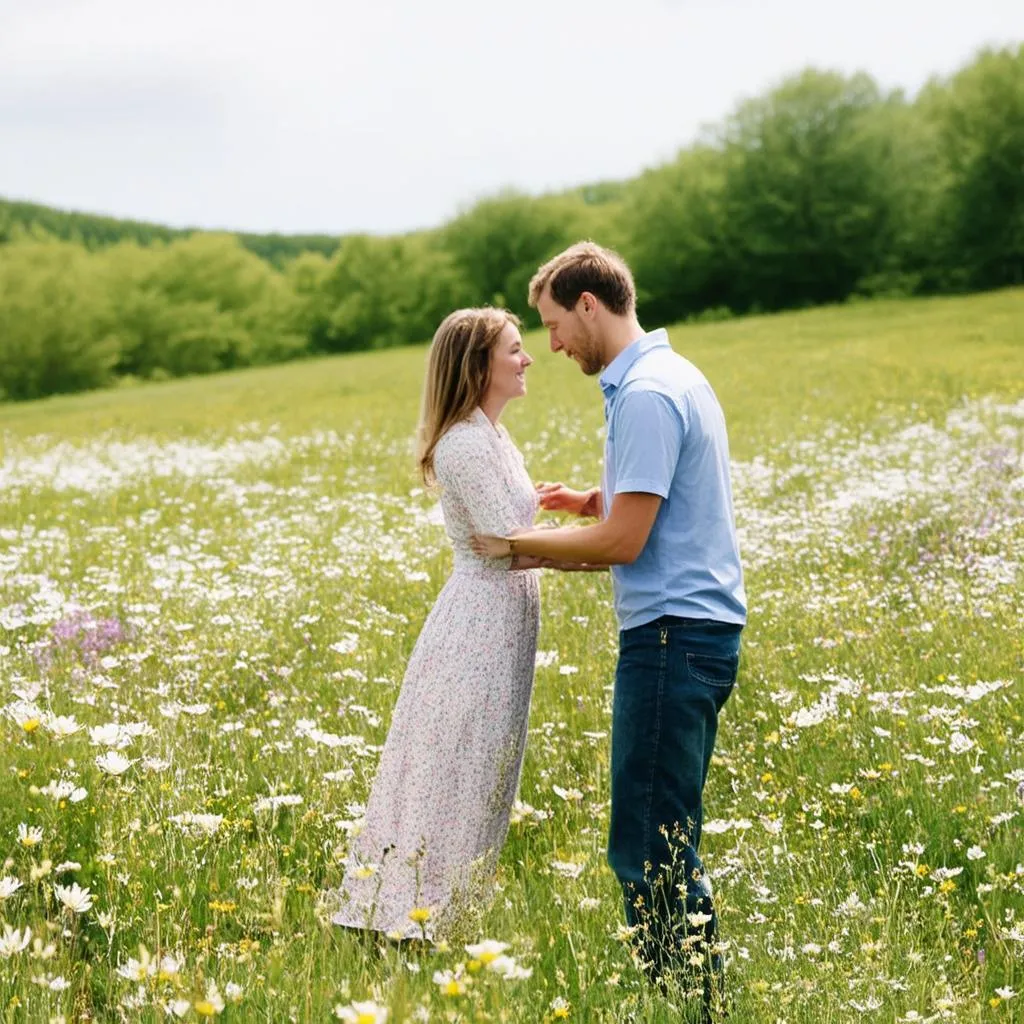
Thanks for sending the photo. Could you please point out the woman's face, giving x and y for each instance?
(508, 365)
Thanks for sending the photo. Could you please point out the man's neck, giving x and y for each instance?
(621, 333)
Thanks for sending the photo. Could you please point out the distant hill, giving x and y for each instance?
(95, 232)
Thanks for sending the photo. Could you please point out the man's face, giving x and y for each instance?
(572, 332)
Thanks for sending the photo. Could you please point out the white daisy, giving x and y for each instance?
(9, 885)
(62, 726)
(108, 735)
(113, 763)
(12, 941)
(486, 951)
(271, 803)
(507, 968)
(29, 835)
(367, 1012)
(136, 970)
(74, 897)
(197, 824)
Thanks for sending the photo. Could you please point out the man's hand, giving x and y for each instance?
(559, 498)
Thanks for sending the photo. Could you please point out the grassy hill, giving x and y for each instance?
(779, 376)
(237, 568)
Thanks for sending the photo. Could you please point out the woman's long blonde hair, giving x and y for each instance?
(458, 372)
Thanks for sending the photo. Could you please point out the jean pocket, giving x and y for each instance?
(713, 670)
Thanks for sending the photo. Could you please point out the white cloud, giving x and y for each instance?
(389, 115)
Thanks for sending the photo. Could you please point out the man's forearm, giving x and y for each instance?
(595, 543)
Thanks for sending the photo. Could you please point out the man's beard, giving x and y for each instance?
(588, 355)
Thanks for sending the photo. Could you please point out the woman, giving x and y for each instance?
(438, 812)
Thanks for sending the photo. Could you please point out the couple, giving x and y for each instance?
(438, 812)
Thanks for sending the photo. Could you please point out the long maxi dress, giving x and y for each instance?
(438, 811)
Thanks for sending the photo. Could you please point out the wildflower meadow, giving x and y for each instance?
(209, 589)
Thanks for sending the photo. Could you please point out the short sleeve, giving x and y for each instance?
(467, 467)
(648, 442)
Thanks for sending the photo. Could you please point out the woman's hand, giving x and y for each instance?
(557, 497)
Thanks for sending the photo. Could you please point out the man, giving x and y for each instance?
(666, 528)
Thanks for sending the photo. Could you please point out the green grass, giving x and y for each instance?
(237, 526)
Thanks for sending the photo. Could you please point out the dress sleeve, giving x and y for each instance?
(467, 466)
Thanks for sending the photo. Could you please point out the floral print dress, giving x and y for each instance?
(439, 807)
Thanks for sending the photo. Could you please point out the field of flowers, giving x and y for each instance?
(209, 589)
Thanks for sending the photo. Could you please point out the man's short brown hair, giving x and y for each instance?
(586, 267)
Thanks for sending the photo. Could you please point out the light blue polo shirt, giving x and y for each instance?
(666, 436)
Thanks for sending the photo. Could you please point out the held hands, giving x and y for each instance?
(556, 497)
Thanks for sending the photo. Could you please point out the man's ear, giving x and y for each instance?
(589, 303)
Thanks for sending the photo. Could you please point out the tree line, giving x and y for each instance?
(95, 232)
(825, 188)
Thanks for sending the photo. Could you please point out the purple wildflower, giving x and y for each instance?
(83, 633)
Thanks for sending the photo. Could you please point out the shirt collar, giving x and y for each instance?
(613, 373)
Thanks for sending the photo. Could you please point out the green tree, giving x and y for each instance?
(500, 242)
(805, 192)
(380, 292)
(200, 304)
(981, 121)
(56, 326)
(676, 245)
(307, 276)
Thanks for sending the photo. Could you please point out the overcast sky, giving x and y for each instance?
(386, 115)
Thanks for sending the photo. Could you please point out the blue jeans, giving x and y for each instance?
(673, 677)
